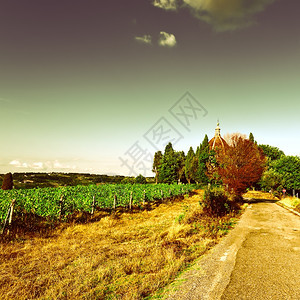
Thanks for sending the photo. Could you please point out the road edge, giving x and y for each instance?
(288, 208)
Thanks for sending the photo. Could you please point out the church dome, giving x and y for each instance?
(217, 142)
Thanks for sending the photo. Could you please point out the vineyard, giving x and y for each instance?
(53, 203)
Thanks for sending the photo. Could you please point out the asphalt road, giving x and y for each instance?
(259, 259)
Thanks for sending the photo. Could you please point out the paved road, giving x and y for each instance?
(259, 259)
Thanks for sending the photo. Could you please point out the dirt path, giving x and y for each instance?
(259, 259)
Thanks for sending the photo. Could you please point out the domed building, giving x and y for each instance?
(217, 142)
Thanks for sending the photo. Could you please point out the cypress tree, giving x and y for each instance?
(203, 157)
(169, 166)
(156, 164)
(251, 137)
(189, 170)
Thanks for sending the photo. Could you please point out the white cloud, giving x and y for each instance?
(57, 165)
(223, 15)
(15, 163)
(166, 39)
(46, 166)
(166, 4)
(145, 39)
(24, 165)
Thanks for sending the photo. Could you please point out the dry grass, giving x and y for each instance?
(122, 256)
(291, 202)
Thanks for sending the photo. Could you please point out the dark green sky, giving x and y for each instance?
(82, 81)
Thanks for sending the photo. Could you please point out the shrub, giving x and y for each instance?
(140, 179)
(215, 202)
(7, 182)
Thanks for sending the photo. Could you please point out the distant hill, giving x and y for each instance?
(32, 180)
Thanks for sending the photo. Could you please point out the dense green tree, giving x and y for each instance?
(169, 166)
(202, 155)
(271, 180)
(7, 183)
(201, 174)
(180, 166)
(189, 165)
(204, 146)
(289, 168)
(156, 164)
(273, 153)
(140, 179)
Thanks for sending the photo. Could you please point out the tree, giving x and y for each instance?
(7, 183)
(273, 153)
(202, 159)
(156, 164)
(241, 165)
(140, 179)
(189, 165)
(204, 146)
(251, 137)
(180, 165)
(169, 166)
(272, 180)
(289, 168)
(202, 167)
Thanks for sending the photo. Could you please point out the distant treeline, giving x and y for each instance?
(33, 180)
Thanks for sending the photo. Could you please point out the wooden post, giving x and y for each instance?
(144, 197)
(11, 215)
(93, 206)
(60, 208)
(7, 216)
(130, 201)
(115, 202)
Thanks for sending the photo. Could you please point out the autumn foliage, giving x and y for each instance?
(241, 165)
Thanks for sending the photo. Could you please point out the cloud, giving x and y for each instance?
(166, 4)
(48, 165)
(145, 39)
(223, 15)
(15, 163)
(166, 39)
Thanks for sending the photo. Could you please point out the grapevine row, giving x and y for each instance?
(47, 202)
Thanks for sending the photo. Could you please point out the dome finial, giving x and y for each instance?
(218, 129)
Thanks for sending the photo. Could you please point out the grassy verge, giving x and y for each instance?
(122, 256)
(291, 202)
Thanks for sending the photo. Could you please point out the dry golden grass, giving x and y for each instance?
(291, 202)
(122, 256)
(259, 195)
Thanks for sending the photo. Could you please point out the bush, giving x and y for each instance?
(215, 202)
(140, 179)
(7, 182)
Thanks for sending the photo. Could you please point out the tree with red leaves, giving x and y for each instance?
(241, 165)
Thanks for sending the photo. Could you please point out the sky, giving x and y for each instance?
(99, 86)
